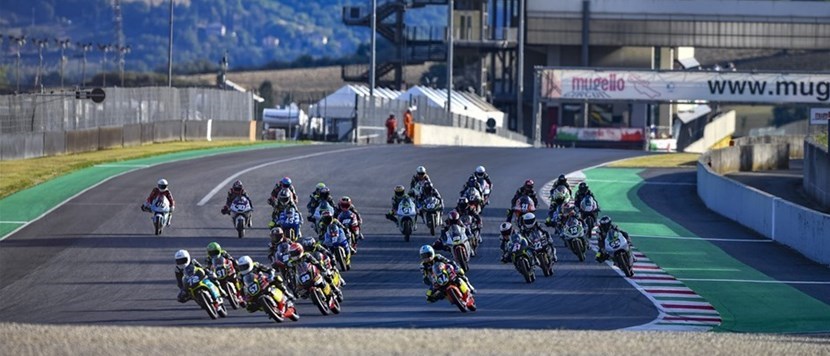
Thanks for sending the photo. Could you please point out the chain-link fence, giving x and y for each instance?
(54, 112)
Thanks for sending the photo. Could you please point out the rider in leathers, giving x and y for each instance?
(428, 191)
(185, 264)
(529, 225)
(526, 189)
(428, 258)
(273, 276)
(282, 203)
(323, 194)
(605, 226)
(453, 218)
(419, 177)
(298, 255)
(236, 191)
(561, 181)
(159, 190)
(582, 192)
(400, 193)
(283, 184)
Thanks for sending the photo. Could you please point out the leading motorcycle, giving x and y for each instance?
(161, 213)
(406, 214)
(241, 214)
(620, 251)
(447, 284)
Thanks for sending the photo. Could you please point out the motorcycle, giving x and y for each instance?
(543, 250)
(406, 217)
(456, 240)
(589, 210)
(574, 233)
(262, 295)
(475, 233)
(314, 286)
(318, 213)
(560, 193)
(447, 284)
(161, 213)
(350, 221)
(336, 278)
(523, 206)
(281, 262)
(202, 290)
(339, 247)
(618, 248)
(474, 198)
(290, 221)
(228, 279)
(241, 214)
(522, 261)
(432, 209)
(485, 190)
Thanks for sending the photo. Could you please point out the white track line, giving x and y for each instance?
(752, 281)
(227, 181)
(13, 222)
(121, 165)
(638, 182)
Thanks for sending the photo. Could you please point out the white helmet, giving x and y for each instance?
(427, 253)
(528, 220)
(246, 265)
(505, 226)
(162, 184)
(182, 258)
(480, 171)
(421, 170)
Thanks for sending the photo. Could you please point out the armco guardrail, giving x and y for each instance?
(817, 172)
(805, 230)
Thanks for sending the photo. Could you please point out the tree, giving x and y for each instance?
(266, 91)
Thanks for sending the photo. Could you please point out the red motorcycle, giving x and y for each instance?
(262, 295)
(314, 286)
(523, 206)
(447, 284)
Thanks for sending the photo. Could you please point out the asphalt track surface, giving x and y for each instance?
(95, 260)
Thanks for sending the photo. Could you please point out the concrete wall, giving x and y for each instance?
(796, 143)
(110, 137)
(54, 143)
(805, 230)
(81, 140)
(230, 129)
(456, 136)
(166, 131)
(131, 135)
(195, 130)
(765, 157)
(721, 127)
(817, 173)
(23, 145)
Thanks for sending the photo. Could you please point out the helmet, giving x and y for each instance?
(237, 186)
(399, 190)
(284, 196)
(453, 216)
(561, 177)
(307, 242)
(583, 187)
(463, 203)
(320, 185)
(472, 182)
(427, 253)
(505, 228)
(162, 184)
(528, 220)
(605, 223)
(285, 182)
(324, 192)
(326, 217)
(427, 188)
(421, 170)
(182, 258)
(529, 184)
(345, 203)
(277, 234)
(480, 171)
(569, 208)
(213, 249)
(333, 229)
(295, 251)
(245, 264)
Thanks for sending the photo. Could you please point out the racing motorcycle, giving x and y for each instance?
(618, 248)
(228, 279)
(202, 290)
(589, 209)
(281, 261)
(339, 247)
(318, 213)
(447, 284)
(543, 250)
(485, 190)
(523, 206)
(455, 239)
(241, 214)
(575, 234)
(475, 233)
(161, 213)
(522, 261)
(406, 217)
(290, 221)
(262, 295)
(314, 286)
(560, 193)
(433, 209)
(474, 198)
(350, 221)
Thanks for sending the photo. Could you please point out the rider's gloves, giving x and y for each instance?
(226, 210)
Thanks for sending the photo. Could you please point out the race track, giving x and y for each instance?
(95, 260)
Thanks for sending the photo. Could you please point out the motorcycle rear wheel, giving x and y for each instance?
(407, 230)
(544, 262)
(341, 259)
(158, 226)
(231, 290)
(455, 298)
(461, 258)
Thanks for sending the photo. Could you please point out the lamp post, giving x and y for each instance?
(106, 48)
(373, 65)
(41, 44)
(20, 42)
(170, 50)
(85, 48)
(63, 44)
(121, 61)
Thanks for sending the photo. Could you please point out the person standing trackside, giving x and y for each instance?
(552, 135)
(391, 127)
(408, 125)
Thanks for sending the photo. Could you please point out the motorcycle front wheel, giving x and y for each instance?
(205, 301)
(270, 307)
(231, 290)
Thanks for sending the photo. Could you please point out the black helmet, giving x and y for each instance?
(583, 187)
(463, 202)
(399, 190)
(605, 223)
(561, 177)
(324, 193)
(237, 186)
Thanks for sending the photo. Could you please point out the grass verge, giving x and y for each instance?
(21, 174)
(662, 160)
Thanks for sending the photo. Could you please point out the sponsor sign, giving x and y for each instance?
(819, 116)
(662, 86)
(599, 134)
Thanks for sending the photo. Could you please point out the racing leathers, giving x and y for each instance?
(396, 200)
(528, 231)
(426, 269)
(418, 179)
(601, 255)
(233, 195)
(275, 194)
(196, 269)
(522, 191)
(274, 277)
(507, 246)
(155, 193)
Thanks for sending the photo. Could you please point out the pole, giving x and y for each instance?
(520, 76)
(450, 35)
(373, 65)
(170, 50)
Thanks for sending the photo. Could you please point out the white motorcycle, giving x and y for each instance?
(618, 248)
(241, 214)
(406, 214)
(457, 241)
(485, 191)
(161, 213)
(318, 213)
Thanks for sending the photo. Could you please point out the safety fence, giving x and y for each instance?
(34, 125)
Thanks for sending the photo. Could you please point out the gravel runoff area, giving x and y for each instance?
(30, 339)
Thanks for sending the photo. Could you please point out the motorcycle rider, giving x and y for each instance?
(283, 185)
(481, 175)
(453, 218)
(327, 221)
(581, 193)
(563, 213)
(321, 194)
(508, 239)
(471, 182)
(400, 193)
(561, 181)
(160, 189)
(278, 244)
(284, 201)
(334, 233)
(428, 258)
(605, 225)
(298, 254)
(525, 189)
(347, 205)
(427, 191)
(188, 266)
(214, 250)
(529, 225)
(237, 191)
(247, 265)
(463, 208)
(420, 176)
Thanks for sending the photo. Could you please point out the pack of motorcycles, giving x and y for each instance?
(256, 291)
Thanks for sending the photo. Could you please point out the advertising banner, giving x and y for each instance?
(663, 86)
(599, 134)
(819, 116)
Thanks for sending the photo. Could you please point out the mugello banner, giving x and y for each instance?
(617, 134)
(663, 86)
